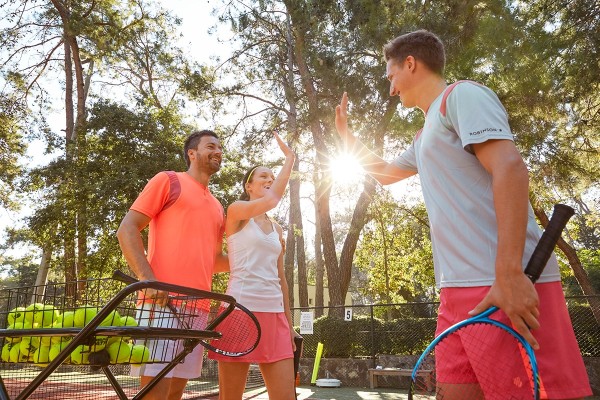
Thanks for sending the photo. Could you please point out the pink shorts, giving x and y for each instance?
(560, 364)
(275, 341)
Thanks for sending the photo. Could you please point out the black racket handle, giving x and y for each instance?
(545, 247)
(123, 277)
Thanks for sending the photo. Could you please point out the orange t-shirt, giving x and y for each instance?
(183, 239)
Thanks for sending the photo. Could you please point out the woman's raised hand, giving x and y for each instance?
(285, 149)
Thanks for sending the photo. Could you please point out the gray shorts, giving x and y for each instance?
(165, 350)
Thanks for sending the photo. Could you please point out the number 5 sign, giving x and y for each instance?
(348, 314)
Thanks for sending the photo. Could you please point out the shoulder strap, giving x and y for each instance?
(449, 89)
(174, 189)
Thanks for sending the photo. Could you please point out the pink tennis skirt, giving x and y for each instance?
(275, 341)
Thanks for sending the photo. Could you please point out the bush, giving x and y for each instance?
(355, 339)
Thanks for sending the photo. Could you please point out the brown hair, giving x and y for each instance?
(247, 178)
(192, 142)
(422, 45)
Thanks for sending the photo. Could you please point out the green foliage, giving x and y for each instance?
(590, 259)
(395, 252)
(12, 146)
(17, 272)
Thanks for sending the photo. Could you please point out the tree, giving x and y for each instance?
(85, 40)
(395, 252)
(12, 146)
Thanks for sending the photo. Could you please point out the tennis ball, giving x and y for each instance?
(29, 345)
(119, 352)
(139, 354)
(83, 315)
(42, 355)
(45, 341)
(6, 352)
(55, 350)
(113, 319)
(98, 343)
(80, 355)
(16, 356)
(15, 326)
(34, 312)
(60, 339)
(128, 321)
(114, 339)
(47, 316)
(65, 320)
(16, 315)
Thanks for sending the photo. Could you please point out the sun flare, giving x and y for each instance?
(345, 169)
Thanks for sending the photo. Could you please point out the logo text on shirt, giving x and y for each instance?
(477, 133)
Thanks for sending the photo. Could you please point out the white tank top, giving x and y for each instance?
(253, 279)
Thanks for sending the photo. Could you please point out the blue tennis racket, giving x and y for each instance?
(502, 363)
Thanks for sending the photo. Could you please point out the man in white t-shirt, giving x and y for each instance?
(475, 186)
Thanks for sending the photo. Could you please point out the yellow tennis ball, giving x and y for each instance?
(34, 312)
(29, 345)
(42, 355)
(15, 326)
(80, 355)
(65, 320)
(55, 350)
(128, 321)
(119, 352)
(16, 315)
(84, 314)
(45, 341)
(113, 319)
(139, 354)
(47, 316)
(99, 342)
(16, 356)
(6, 352)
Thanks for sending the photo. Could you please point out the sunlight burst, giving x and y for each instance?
(346, 170)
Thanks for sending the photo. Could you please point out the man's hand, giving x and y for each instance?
(516, 296)
(161, 298)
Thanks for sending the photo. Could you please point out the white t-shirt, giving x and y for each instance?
(458, 190)
(254, 281)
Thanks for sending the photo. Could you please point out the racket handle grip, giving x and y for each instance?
(543, 250)
(123, 277)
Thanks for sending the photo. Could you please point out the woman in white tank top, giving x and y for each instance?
(257, 281)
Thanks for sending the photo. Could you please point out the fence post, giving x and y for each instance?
(372, 336)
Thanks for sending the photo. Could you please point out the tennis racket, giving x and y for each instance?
(502, 363)
(239, 328)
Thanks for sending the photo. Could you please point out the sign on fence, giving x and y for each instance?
(348, 314)
(306, 322)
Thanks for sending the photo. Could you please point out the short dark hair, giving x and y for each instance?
(422, 45)
(247, 178)
(192, 142)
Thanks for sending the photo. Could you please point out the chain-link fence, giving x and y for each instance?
(366, 331)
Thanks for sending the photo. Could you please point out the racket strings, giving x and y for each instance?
(478, 361)
(239, 330)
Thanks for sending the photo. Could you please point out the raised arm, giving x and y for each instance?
(243, 210)
(381, 170)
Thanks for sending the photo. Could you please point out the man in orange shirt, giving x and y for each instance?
(184, 242)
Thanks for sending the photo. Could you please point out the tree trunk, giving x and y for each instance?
(319, 264)
(288, 86)
(575, 263)
(70, 267)
(298, 232)
(42, 276)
